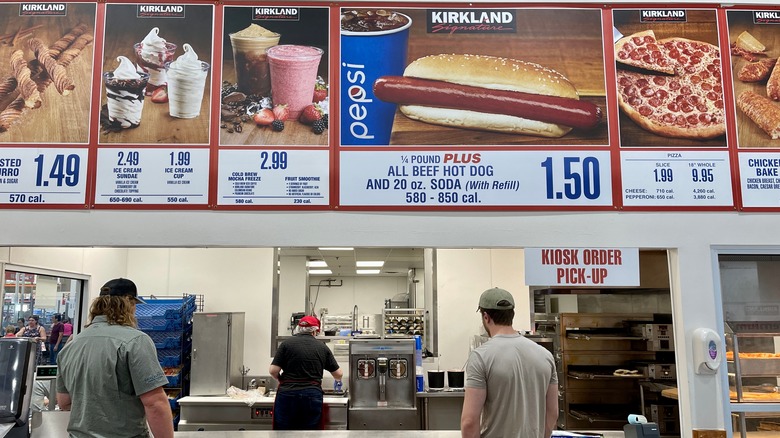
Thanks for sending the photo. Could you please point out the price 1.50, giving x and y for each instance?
(580, 178)
(63, 170)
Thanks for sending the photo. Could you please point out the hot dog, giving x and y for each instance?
(488, 93)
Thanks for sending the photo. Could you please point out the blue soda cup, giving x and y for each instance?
(365, 56)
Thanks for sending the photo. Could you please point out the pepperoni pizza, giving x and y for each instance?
(687, 102)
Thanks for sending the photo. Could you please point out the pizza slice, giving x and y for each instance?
(642, 50)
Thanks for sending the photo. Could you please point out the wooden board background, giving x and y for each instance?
(566, 40)
(701, 26)
(60, 119)
(748, 133)
(124, 30)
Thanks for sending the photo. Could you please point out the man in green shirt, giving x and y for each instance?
(109, 375)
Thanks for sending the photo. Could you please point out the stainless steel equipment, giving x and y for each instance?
(659, 337)
(217, 352)
(17, 372)
(382, 390)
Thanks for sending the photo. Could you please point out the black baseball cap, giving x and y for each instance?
(120, 287)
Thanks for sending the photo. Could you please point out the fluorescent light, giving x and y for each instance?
(367, 271)
(317, 264)
(320, 271)
(370, 264)
(335, 248)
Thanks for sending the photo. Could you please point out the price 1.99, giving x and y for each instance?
(580, 178)
(63, 170)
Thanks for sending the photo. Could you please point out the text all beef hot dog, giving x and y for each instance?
(488, 93)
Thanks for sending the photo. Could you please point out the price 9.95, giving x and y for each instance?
(63, 170)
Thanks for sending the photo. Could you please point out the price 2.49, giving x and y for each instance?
(580, 176)
(63, 170)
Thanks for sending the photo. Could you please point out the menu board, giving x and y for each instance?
(274, 113)
(317, 105)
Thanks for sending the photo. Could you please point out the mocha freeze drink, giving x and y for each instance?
(125, 93)
(250, 59)
(186, 81)
(151, 54)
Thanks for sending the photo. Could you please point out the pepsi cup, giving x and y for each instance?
(368, 53)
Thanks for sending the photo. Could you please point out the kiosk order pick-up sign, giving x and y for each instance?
(582, 266)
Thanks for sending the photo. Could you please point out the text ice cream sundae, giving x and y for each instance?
(186, 81)
(125, 93)
(151, 54)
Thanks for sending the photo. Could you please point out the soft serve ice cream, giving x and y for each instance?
(152, 53)
(125, 93)
(186, 81)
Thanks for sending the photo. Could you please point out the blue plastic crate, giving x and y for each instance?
(174, 394)
(174, 376)
(165, 339)
(167, 308)
(169, 357)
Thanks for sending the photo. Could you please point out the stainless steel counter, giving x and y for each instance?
(343, 434)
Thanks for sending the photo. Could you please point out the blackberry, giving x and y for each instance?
(325, 120)
(318, 127)
(278, 125)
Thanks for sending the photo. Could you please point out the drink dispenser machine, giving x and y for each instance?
(382, 385)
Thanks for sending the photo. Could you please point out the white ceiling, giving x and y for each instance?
(398, 261)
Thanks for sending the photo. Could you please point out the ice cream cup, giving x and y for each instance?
(186, 82)
(251, 62)
(366, 56)
(293, 75)
(125, 99)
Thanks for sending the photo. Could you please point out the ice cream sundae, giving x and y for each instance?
(125, 93)
(151, 54)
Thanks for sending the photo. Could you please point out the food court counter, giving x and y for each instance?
(345, 434)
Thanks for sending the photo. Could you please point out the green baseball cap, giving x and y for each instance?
(497, 299)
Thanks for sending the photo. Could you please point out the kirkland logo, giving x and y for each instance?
(160, 11)
(277, 14)
(60, 9)
(652, 15)
(472, 21)
(766, 17)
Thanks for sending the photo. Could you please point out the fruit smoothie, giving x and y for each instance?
(186, 81)
(125, 93)
(250, 60)
(151, 54)
(293, 75)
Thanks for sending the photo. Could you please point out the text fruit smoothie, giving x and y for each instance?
(151, 54)
(373, 44)
(186, 81)
(293, 75)
(250, 60)
(125, 93)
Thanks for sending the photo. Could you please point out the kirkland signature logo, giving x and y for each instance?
(766, 17)
(655, 15)
(160, 11)
(277, 14)
(471, 21)
(60, 9)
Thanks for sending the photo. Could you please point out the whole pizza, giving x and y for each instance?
(672, 86)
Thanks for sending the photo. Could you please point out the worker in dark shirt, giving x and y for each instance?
(298, 367)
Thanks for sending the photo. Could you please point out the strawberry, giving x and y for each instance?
(264, 117)
(281, 112)
(310, 114)
(320, 92)
(160, 95)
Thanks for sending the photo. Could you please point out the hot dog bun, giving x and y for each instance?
(493, 73)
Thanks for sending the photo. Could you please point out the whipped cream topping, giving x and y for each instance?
(126, 69)
(187, 61)
(153, 44)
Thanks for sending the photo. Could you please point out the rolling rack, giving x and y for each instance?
(168, 321)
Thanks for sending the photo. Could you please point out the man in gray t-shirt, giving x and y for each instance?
(510, 381)
(109, 375)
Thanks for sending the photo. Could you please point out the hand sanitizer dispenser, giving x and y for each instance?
(707, 351)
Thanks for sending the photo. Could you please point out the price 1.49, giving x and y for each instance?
(580, 175)
(64, 170)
